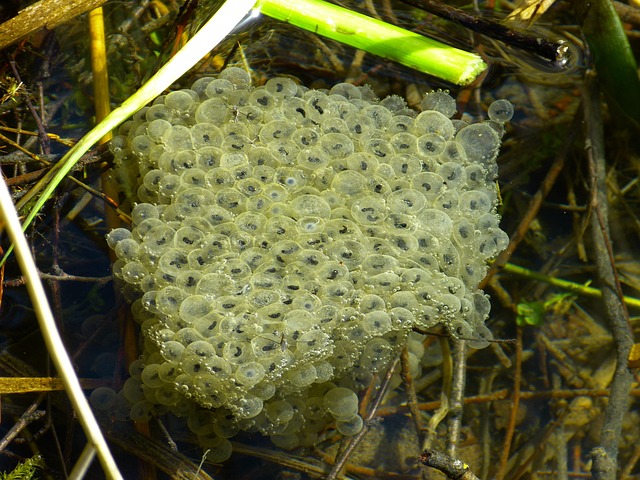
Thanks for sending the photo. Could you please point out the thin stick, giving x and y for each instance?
(513, 414)
(456, 397)
(556, 53)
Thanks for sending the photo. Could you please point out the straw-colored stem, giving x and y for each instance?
(52, 339)
(377, 37)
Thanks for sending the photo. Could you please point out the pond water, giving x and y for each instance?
(552, 347)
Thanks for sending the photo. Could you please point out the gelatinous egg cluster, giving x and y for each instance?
(286, 242)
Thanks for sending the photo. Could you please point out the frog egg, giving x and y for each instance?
(214, 111)
(177, 138)
(297, 322)
(150, 377)
(286, 442)
(127, 249)
(143, 211)
(341, 403)
(313, 158)
(501, 238)
(348, 183)
(141, 145)
(319, 105)
(394, 103)
(239, 77)
(179, 101)
(201, 422)
(433, 122)
(116, 235)
(141, 411)
(404, 143)
(334, 125)
(134, 272)
(169, 185)
(463, 232)
(453, 174)
(473, 203)
(218, 88)
(219, 177)
(208, 157)
(436, 222)
(379, 115)
(453, 152)
(168, 300)
(380, 148)
(152, 180)
(250, 374)
(400, 124)
(337, 145)
(292, 179)
(302, 376)
(194, 202)
(501, 111)
(276, 130)
(350, 427)
(305, 137)
(200, 85)
(480, 142)
(486, 246)
(476, 176)
(262, 99)
(281, 87)
(488, 223)
(132, 390)
(346, 90)
(311, 205)
(481, 338)
(156, 112)
(439, 101)
(193, 308)
(460, 329)
(377, 323)
(314, 343)
(194, 177)
(247, 406)
(237, 352)
(449, 258)
(369, 210)
(431, 145)
(406, 201)
(206, 135)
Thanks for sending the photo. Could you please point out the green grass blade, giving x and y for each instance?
(377, 37)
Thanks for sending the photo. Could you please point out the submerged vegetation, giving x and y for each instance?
(554, 395)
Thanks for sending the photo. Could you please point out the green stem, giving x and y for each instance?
(377, 37)
(564, 284)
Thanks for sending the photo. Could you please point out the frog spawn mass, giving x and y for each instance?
(286, 242)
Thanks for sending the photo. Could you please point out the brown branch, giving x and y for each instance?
(513, 414)
(605, 456)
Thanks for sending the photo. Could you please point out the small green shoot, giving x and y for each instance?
(25, 470)
(533, 313)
